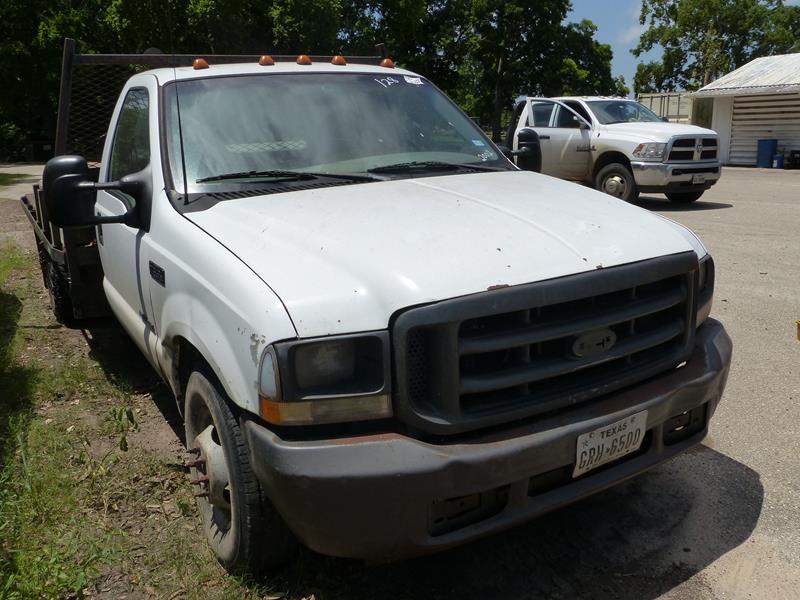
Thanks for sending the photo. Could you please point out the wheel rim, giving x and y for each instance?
(615, 185)
(209, 473)
(213, 472)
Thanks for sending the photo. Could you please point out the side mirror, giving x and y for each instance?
(584, 125)
(665, 119)
(70, 193)
(530, 150)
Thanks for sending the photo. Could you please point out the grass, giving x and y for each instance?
(47, 547)
(9, 178)
(86, 507)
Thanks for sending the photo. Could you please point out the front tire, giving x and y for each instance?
(617, 180)
(243, 529)
(685, 197)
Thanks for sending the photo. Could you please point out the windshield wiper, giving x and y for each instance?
(286, 175)
(429, 165)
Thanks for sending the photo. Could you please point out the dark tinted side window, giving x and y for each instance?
(578, 108)
(131, 149)
(540, 114)
(566, 119)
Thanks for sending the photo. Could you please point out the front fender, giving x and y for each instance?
(213, 300)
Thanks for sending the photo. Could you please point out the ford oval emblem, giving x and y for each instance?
(594, 343)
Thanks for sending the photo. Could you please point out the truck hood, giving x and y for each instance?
(345, 258)
(656, 132)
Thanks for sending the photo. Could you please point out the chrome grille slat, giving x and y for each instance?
(692, 149)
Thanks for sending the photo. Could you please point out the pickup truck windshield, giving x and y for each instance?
(609, 112)
(317, 122)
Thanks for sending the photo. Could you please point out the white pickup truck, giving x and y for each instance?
(385, 339)
(616, 145)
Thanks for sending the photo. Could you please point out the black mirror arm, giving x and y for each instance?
(123, 185)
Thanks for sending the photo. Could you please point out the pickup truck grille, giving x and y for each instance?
(521, 351)
(690, 149)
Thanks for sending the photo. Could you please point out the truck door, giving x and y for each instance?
(564, 137)
(123, 249)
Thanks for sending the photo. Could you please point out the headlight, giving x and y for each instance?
(705, 288)
(649, 151)
(326, 380)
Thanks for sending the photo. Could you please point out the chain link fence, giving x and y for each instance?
(95, 88)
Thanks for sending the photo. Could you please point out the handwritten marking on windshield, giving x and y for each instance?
(387, 81)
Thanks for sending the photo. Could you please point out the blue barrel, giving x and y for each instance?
(766, 150)
(777, 161)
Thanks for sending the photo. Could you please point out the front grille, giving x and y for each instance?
(686, 149)
(522, 351)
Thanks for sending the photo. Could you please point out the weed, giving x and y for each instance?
(124, 421)
(9, 178)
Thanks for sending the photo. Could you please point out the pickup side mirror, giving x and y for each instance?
(530, 150)
(70, 193)
(665, 119)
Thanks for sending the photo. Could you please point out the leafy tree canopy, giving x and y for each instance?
(481, 52)
(704, 39)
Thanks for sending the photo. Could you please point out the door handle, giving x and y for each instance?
(544, 137)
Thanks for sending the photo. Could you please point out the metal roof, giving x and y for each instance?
(766, 75)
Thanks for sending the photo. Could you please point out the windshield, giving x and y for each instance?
(319, 123)
(621, 111)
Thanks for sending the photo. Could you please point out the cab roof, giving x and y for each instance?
(591, 98)
(166, 75)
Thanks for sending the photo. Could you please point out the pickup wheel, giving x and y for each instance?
(684, 198)
(617, 180)
(243, 529)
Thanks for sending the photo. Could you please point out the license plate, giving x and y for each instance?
(698, 179)
(609, 442)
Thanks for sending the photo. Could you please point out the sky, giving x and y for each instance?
(618, 25)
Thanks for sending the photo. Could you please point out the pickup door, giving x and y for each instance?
(124, 250)
(565, 137)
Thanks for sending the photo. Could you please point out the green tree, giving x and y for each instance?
(703, 39)
(586, 68)
(481, 52)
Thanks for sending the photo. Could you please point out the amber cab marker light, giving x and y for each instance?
(200, 63)
(304, 59)
(338, 60)
(266, 61)
(388, 63)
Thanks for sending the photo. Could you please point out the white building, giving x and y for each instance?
(760, 100)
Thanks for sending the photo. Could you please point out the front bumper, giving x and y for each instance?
(675, 177)
(379, 496)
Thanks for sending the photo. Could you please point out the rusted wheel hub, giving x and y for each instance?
(211, 470)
